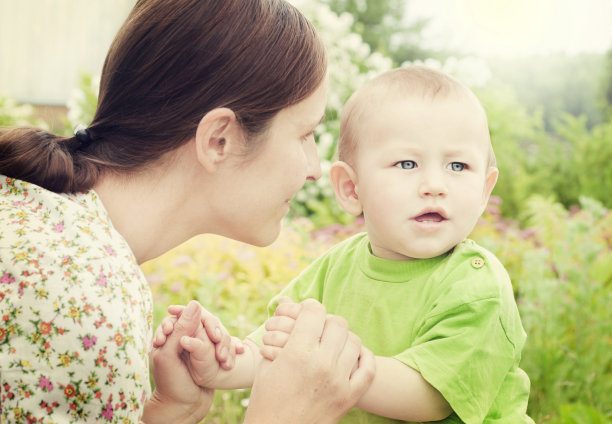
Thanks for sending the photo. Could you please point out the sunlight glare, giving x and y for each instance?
(518, 27)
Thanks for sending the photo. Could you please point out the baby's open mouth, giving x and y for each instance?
(430, 217)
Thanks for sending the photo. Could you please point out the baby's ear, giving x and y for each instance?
(344, 181)
(490, 180)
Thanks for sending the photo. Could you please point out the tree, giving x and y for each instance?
(383, 26)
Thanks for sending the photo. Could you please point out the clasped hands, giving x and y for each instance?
(308, 358)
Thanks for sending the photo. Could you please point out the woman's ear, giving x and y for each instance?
(218, 134)
(344, 181)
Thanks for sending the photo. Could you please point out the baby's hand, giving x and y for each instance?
(212, 335)
(279, 327)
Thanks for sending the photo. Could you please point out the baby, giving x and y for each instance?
(437, 310)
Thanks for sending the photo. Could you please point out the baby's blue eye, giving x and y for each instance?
(406, 164)
(457, 166)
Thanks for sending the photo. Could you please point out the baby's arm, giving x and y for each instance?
(397, 392)
(212, 359)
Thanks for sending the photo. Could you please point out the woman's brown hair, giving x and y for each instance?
(171, 63)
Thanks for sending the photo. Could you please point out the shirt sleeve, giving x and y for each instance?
(465, 354)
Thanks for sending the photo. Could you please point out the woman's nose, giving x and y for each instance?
(312, 161)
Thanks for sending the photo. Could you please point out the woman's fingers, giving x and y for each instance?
(362, 376)
(176, 310)
(308, 326)
(348, 359)
(334, 337)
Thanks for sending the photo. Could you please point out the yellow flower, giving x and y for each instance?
(42, 293)
(92, 382)
(21, 256)
(74, 312)
(65, 360)
(36, 337)
(25, 364)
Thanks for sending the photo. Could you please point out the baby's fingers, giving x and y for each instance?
(270, 352)
(163, 330)
(288, 307)
(275, 338)
(280, 323)
(236, 347)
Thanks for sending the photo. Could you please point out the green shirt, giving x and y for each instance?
(453, 318)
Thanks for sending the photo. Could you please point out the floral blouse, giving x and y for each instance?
(75, 311)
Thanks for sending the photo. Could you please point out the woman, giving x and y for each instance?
(204, 125)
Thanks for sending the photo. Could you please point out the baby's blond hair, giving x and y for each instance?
(410, 81)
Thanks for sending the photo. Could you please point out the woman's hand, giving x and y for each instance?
(319, 374)
(177, 399)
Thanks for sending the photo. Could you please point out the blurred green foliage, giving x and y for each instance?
(558, 84)
(14, 114)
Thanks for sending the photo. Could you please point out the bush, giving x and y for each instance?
(561, 267)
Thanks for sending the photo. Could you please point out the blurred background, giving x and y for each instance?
(543, 71)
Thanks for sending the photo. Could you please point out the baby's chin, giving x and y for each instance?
(425, 253)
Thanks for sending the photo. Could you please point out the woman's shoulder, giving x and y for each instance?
(29, 203)
(38, 220)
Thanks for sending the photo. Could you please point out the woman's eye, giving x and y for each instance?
(406, 164)
(308, 136)
(457, 166)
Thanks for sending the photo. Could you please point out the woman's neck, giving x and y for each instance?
(154, 211)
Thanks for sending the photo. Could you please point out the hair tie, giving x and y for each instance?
(82, 135)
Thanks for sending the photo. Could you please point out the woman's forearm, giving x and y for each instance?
(163, 411)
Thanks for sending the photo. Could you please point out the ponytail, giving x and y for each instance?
(47, 160)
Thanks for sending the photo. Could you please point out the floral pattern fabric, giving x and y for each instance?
(75, 311)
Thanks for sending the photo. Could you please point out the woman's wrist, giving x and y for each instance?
(160, 409)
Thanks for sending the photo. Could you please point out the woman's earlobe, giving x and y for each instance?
(215, 136)
(344, 181)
